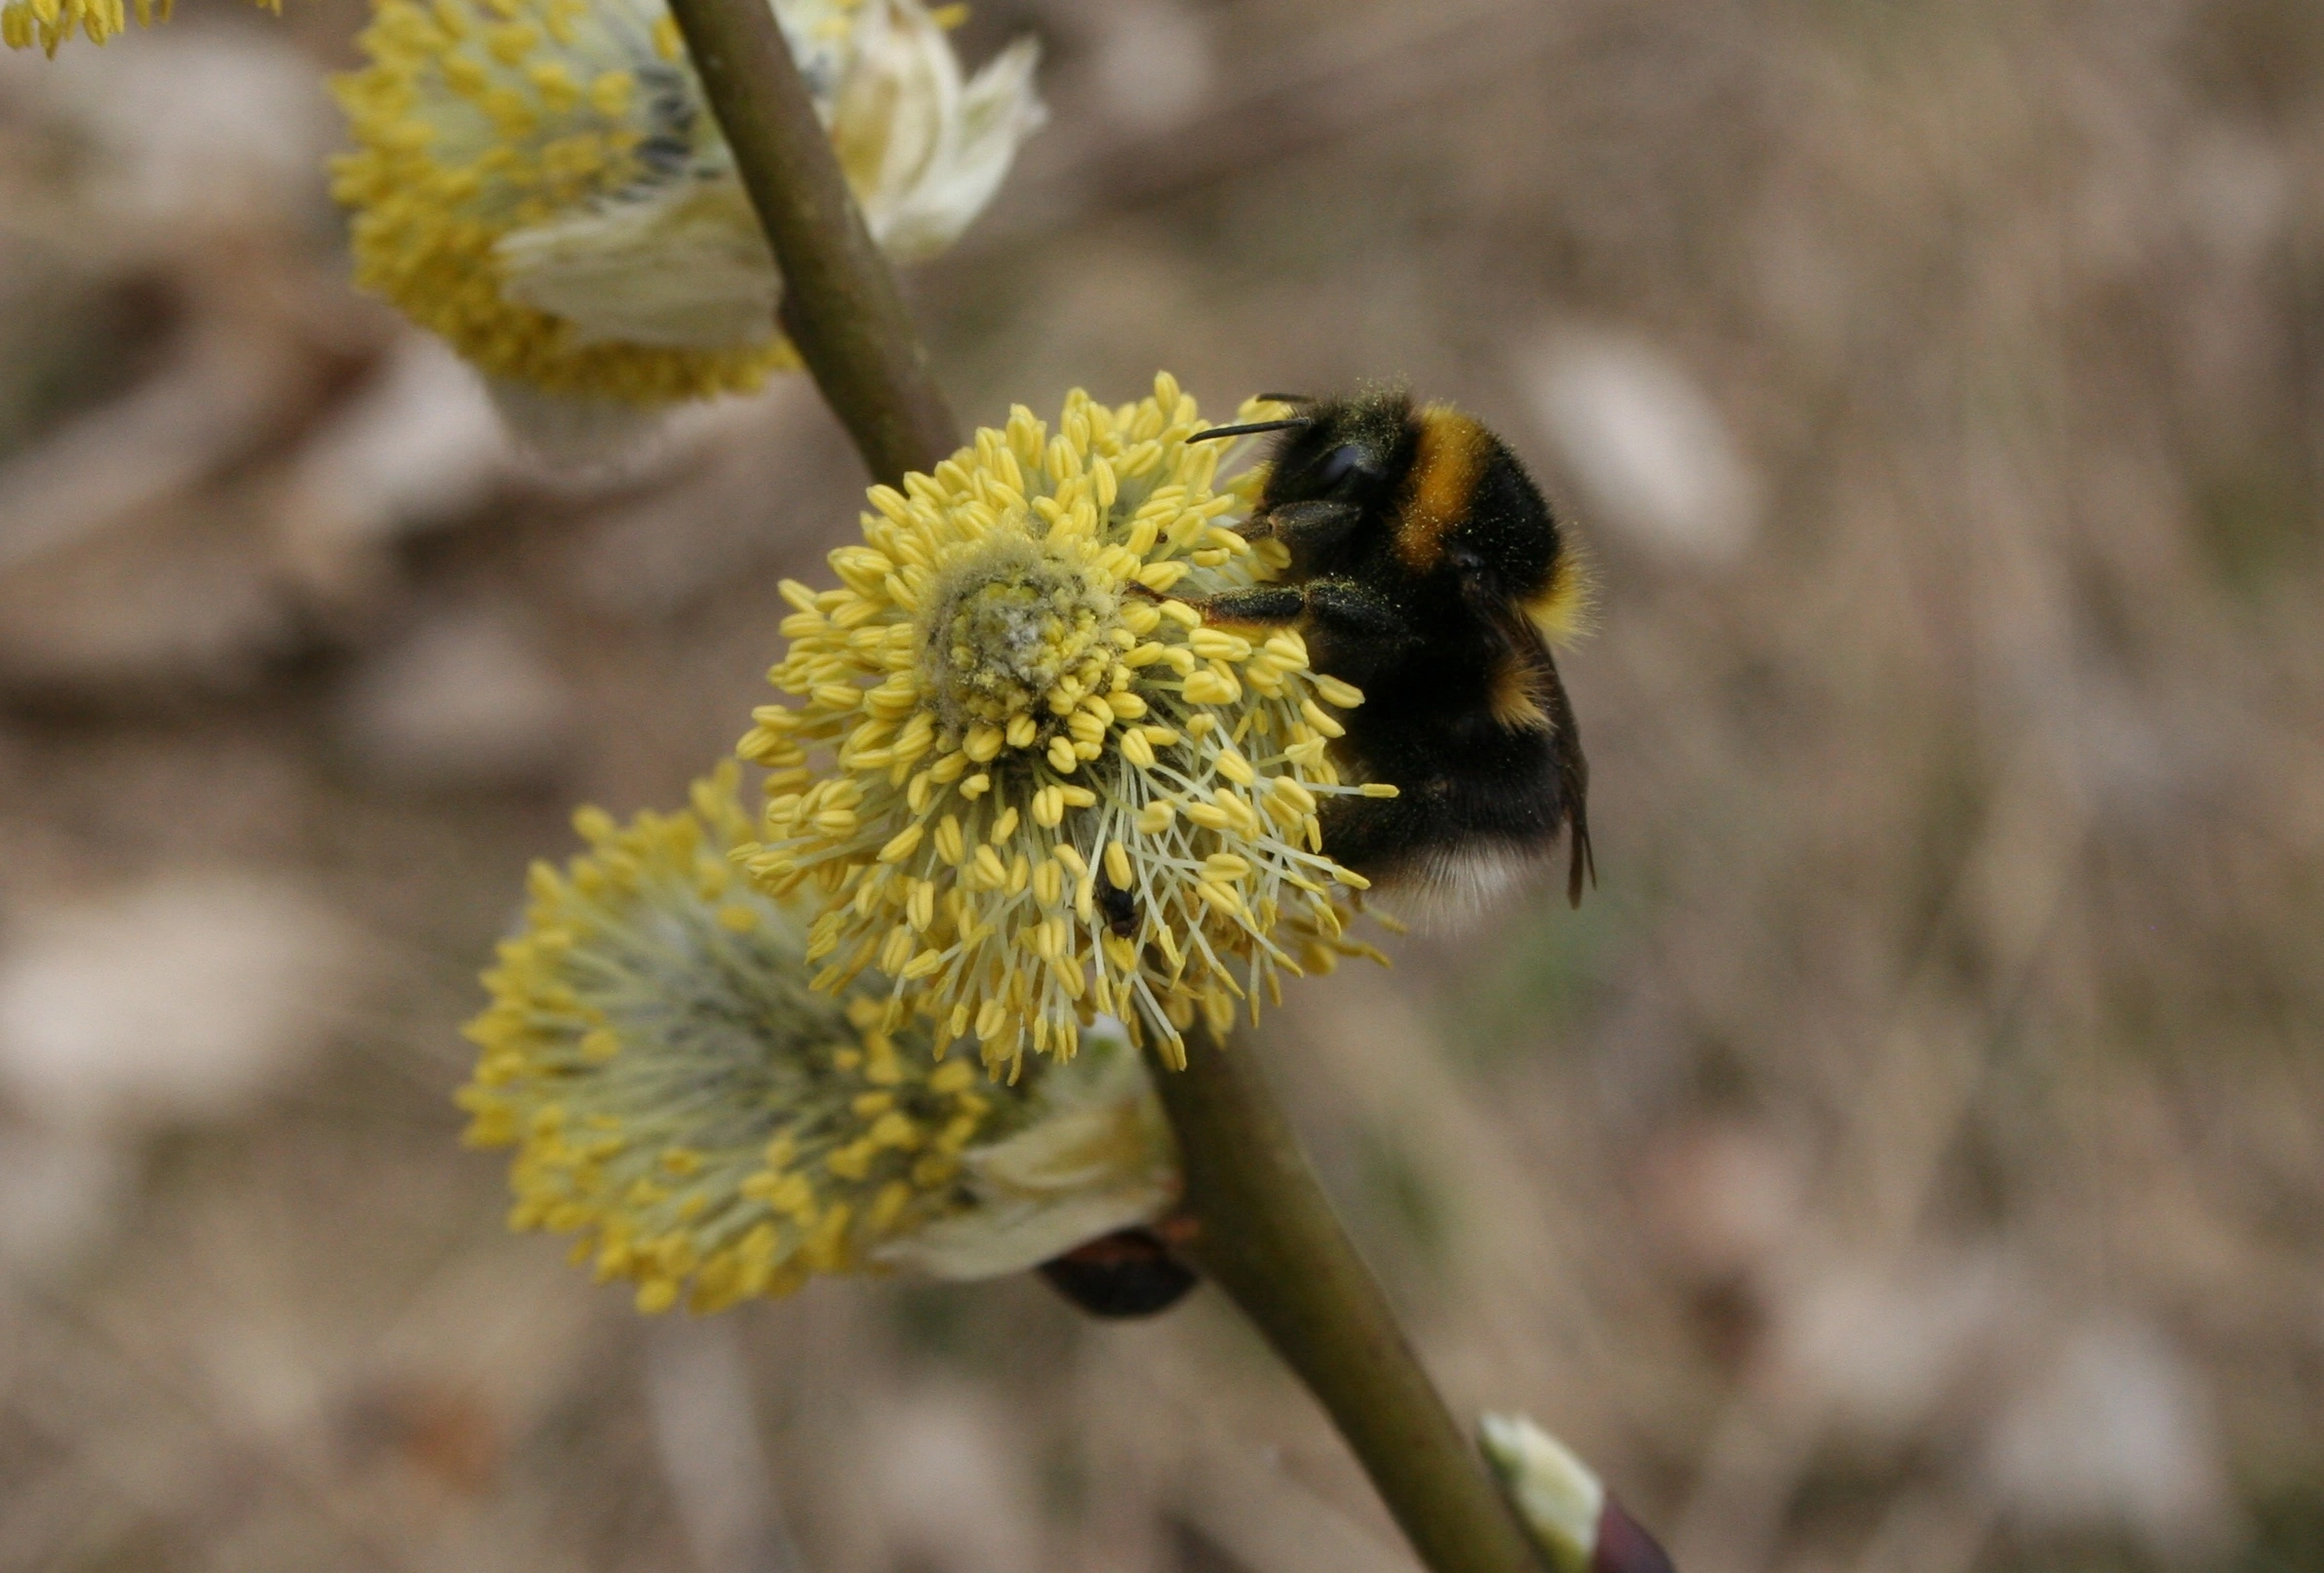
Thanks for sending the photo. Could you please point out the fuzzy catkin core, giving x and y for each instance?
(1018, 632)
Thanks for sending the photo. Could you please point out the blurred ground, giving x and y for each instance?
(1912, 1156)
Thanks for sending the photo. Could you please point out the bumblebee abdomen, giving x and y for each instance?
(1487, 767)
(1504, 795)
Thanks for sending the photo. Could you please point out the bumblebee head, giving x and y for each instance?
(1432, 490)
(1352, 450)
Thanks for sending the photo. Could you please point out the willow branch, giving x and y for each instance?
(1265, 1234)
(840, 304)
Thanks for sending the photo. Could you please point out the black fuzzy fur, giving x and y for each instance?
(1428, 647)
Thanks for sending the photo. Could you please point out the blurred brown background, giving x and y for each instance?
(1911, 1157)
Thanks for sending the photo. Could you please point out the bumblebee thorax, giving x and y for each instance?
(1449, 457)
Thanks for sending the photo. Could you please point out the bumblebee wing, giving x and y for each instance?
(1584, 861)
(1573, 786)
(1531, 693)
(1569, 766)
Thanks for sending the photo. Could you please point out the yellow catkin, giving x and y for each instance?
(24, 23)
(630, 989)
(1028, 614)
(464, 134)
(541, 182)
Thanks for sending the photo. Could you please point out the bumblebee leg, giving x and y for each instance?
(1269, 604)
(1353, 633)
(1344, 606)
(1304, 527)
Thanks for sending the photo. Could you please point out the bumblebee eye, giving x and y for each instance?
(1338, 466)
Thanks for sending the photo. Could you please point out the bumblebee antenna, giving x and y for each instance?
(1250, 428)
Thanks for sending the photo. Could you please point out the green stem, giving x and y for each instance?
(840, 304)
(1264, 1231)
(1265, 1234)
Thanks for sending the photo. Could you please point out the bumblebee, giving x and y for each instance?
(1425, 569)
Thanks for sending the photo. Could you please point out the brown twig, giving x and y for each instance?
(840, 304)
(1265, 1232)
(1267, 1235)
